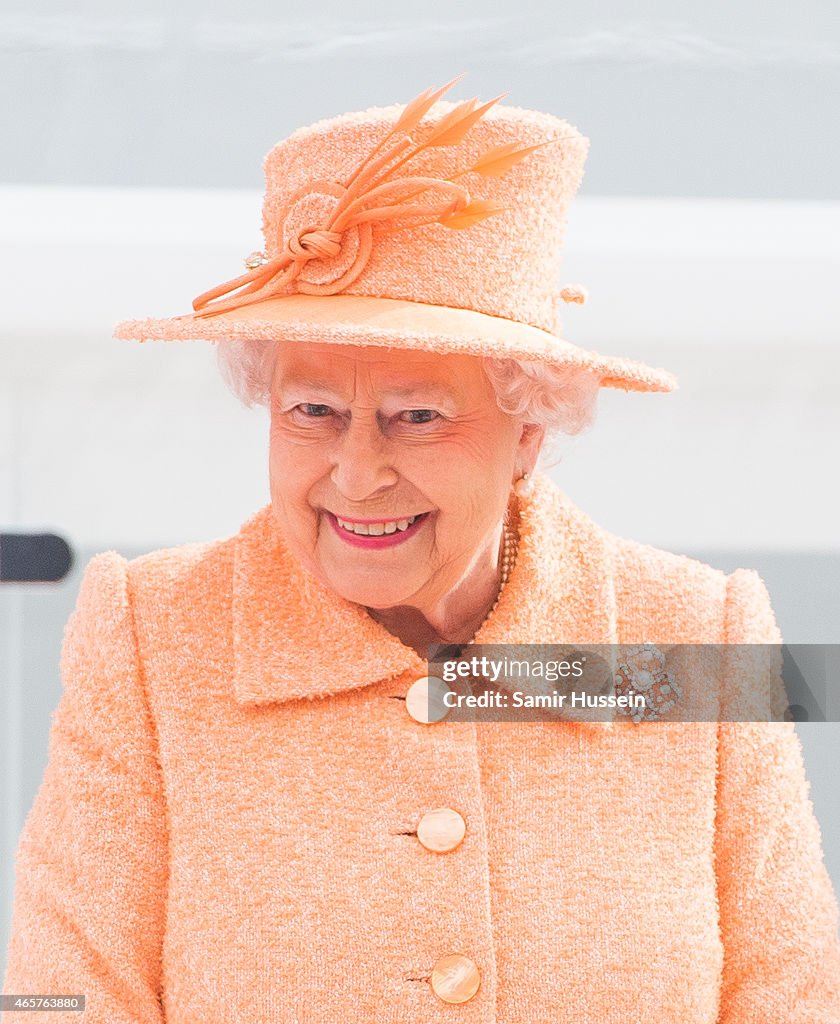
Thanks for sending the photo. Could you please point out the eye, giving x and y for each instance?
(320, 411)
(427, 415)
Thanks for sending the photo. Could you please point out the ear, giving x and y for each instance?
(531, 439)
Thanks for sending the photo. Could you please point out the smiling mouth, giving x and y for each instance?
(382, 528)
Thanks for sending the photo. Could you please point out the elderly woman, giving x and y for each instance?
(251, 811)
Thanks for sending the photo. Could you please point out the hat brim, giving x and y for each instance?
(396, 323)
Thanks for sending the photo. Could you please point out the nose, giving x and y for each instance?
(361, 464)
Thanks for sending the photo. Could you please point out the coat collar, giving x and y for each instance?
(293, 637)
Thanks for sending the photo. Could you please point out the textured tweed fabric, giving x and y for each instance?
(227, 828)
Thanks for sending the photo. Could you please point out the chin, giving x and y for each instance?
(370, 597)
(371, 593)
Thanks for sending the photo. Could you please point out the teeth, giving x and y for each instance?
(376, 529)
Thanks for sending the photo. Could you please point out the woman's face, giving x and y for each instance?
(376, 435)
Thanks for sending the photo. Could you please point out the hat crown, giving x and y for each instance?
(505, 264)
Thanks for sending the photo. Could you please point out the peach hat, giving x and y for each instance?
(427, 225)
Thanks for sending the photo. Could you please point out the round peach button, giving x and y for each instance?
(455, 978)
(441, 830)
(424, 699)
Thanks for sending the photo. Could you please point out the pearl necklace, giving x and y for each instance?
(509, 550)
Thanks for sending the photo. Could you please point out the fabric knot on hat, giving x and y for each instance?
(327, 254)
(314, 243)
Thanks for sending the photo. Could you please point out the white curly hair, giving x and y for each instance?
(561, 399)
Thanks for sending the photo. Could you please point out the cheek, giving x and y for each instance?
(472, 495)
(479, 461)
(294, 470)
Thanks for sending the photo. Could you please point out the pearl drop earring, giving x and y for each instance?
(523, 486)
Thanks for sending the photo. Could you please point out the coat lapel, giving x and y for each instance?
(293, 637)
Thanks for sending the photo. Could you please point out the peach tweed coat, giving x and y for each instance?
(227, 827)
